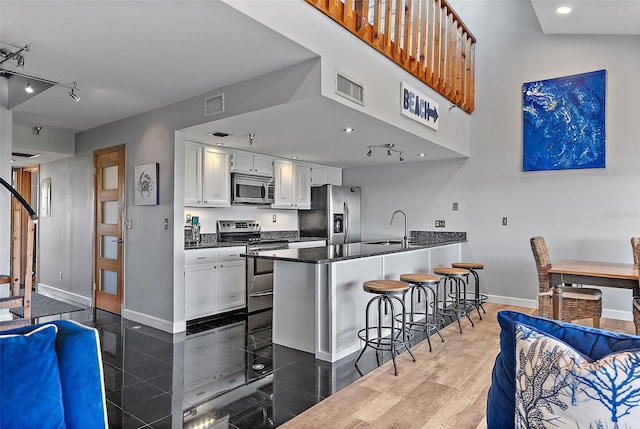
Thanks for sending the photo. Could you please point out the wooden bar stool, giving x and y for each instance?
(386, 335)
(423, 285)
(478, 298)
(454, 303)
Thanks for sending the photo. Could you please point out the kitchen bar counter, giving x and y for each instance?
(340, 252)
(318, 301)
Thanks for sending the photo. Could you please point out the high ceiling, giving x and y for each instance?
(606, 17)
(129, 57)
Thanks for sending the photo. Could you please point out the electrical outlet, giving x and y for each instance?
(60, 275)
(274, 218)
(455, 207)
(440, 223)
(505, 221)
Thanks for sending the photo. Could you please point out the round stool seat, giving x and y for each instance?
(384, 286)
(419, 278)
(451, 271)
(468, 265)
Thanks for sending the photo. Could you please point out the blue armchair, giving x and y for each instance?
(51, 377)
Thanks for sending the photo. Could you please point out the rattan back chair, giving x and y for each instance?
(635, 241)
(636, 314)
(577, 303)
(636, 299)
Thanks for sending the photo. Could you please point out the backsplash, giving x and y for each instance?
(437, 237)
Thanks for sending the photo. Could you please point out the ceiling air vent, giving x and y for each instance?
(25, 155)
(349, 89)
(214, 105)
(218, 134)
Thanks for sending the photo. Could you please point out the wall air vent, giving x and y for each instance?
(214, 105)
(348, 88)
(25, 155)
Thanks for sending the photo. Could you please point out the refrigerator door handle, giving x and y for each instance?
(347, 222)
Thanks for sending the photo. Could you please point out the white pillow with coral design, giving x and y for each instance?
(558, 387)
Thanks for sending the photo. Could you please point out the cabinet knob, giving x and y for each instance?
(199, 201)
(221, 266)
(205, 201)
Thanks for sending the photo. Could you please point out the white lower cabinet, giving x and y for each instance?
(214, 281)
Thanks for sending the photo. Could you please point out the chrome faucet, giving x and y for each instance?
(405, 239)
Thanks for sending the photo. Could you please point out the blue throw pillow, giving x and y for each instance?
(30, 389)
(558, 387)
(590, 342)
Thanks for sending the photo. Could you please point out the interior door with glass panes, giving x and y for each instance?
(109, 170)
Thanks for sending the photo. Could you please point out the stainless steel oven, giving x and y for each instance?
(259, 271)
(260, 276)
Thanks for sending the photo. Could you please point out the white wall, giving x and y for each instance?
(583, 214)
(342, 51)
(6, 117)
(286, 220)
(151, 253)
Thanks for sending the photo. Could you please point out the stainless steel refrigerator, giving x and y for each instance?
(334, 214)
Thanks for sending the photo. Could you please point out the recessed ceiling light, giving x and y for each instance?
(349, 130)
(218, 144)
(563, 10)
(421, 155)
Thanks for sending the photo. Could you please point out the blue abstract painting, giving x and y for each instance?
(564, 122)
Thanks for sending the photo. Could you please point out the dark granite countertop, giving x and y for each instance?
(342, 252)
(209, 241)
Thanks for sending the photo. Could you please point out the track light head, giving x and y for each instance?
(20, 59)
(73, 94)
(29, 88)
(37, 129)
(369, 153)
(389, 153)
(401, 157)
(250, 135)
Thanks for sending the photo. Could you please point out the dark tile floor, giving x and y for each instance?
(222, 374)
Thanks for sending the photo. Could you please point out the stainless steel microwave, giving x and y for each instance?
(249, 189)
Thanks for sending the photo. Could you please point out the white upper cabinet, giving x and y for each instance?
(216, 187)
(251, 163)
(207, 178)
(292, 185)
(302, 186)
(283, 186)
(323, 175)
(192, 174)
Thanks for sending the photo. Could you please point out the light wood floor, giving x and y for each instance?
(446, 388)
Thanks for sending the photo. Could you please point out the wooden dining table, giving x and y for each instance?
(592, 273)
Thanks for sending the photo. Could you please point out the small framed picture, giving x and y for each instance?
(45, 198)
(146, 184)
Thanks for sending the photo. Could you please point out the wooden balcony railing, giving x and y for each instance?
(424, 37)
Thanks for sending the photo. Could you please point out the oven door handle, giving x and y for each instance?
(267, 293)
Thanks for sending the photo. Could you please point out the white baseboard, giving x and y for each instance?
(154, 322)
(532, 303)
(54, 292)
(508, 300)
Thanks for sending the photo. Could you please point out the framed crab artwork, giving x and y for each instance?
(146, 184)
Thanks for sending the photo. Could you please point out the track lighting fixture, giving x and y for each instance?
(390, 148)
(73, 94)
(250, 135)
(29, 88)
(7, 54)
(37, 129)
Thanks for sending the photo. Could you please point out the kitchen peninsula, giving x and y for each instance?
(319, 304)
